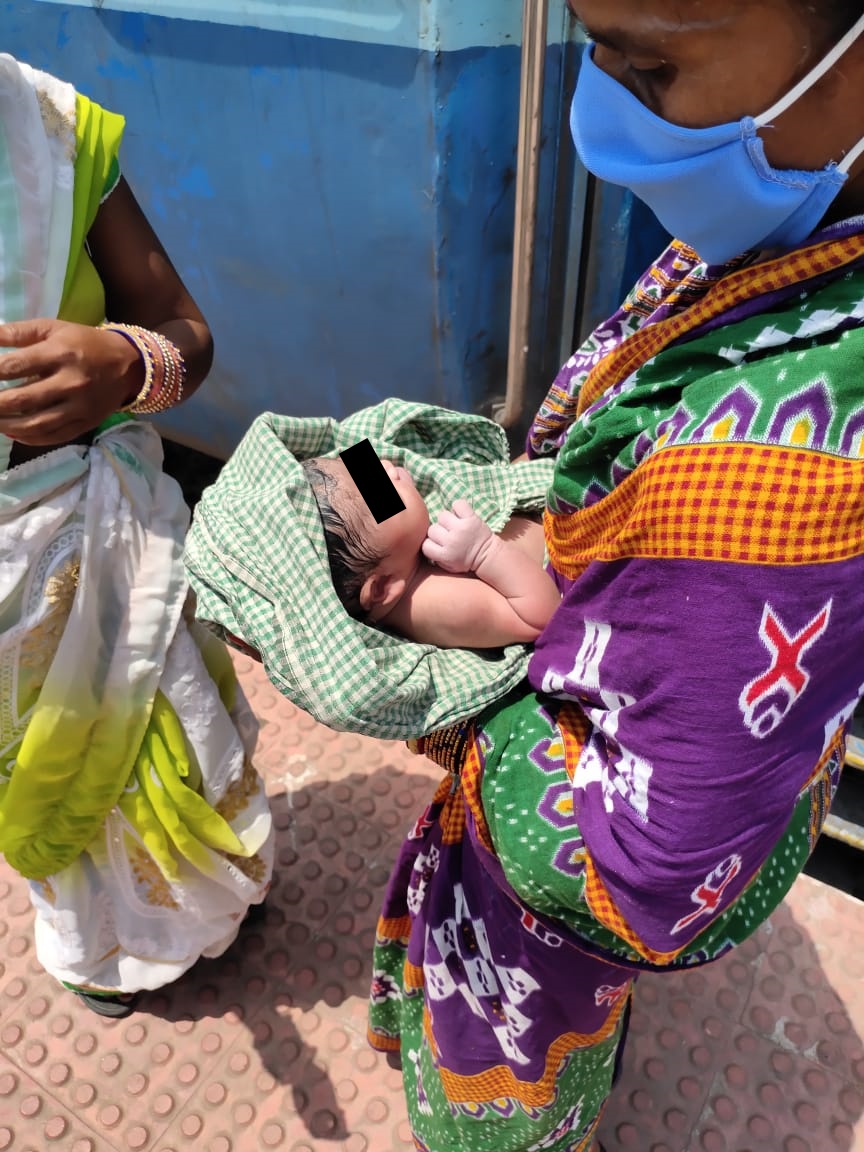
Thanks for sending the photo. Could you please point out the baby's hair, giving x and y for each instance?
(351, 558)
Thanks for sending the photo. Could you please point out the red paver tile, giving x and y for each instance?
(804, 998)
(677, 1039)
(765, 1099)
(265, 1047)
(124, 1079)
(756, 1052)
(31, 1120)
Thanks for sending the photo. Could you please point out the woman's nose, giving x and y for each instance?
(616, 65)
(609, 61)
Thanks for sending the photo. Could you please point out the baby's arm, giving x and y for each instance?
(460, 543)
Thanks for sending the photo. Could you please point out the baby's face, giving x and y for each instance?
(398, 538)
(401, 537)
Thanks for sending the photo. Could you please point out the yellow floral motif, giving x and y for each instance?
(556, 749)
(60, 589)
(40, 643)
(147, 874)
(238, 795)
(564, 805)
(253, 867)
(46, 890)
(57, 124)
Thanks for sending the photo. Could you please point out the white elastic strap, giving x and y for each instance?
(851, 156)
(814, 77)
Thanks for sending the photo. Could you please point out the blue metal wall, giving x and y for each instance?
(335, 186)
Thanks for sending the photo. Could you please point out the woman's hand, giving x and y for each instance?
(460, 541)
(72, 378)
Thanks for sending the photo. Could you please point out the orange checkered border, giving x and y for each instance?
(472, 779)
(606, 911)
(452, 819)
(412, 977)
(837, 744)
(501, 1081)
(742, 503)
(819, 787)
(733, 290)
(574, 728)
(382, 1043)
(393, 929)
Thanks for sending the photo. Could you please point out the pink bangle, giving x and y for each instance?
(164, 369)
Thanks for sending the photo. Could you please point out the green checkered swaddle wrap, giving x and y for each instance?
(257, 561)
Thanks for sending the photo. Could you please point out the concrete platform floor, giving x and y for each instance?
(265, 1049)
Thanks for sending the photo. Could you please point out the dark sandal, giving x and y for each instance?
(255, 914)
(114, 1007)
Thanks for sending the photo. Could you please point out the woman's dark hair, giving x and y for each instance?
(351, 558)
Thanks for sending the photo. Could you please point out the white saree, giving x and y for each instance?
(127, 792)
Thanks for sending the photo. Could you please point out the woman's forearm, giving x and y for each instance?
(194, 342)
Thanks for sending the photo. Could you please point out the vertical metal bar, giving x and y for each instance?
(578, 246)
(535, 21)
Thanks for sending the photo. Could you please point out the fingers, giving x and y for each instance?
(431, 550)
(460, 512)
(22, 333)
(463, 510)
(37, 360)
(59, 426)
(438, 534)
(40, 414)
(28, 400)
(65, 378)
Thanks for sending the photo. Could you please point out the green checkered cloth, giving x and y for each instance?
(257, 560)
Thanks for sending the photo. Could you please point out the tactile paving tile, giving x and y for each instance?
(759, 1052)
(823, 933)
(125, 1079)
(265, 1047)
(306, 1075)
(676, 1039)
(31, 1120)
(765, 1099)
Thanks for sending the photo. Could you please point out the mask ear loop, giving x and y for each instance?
(813, 77)
(851, 156)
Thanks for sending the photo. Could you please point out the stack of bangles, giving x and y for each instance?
(164, 370)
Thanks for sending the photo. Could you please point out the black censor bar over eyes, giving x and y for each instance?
(372, 481)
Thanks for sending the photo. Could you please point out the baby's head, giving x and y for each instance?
(371, 564)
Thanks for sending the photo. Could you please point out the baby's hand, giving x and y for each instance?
(460, 541)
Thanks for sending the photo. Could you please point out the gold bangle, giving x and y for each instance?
(130, 333)
(164, 369)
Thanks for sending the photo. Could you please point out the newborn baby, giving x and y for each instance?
(454, 584)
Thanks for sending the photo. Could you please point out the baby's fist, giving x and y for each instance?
(459, 541)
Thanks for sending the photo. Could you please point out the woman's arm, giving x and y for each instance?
(141, 284)
(79, 375)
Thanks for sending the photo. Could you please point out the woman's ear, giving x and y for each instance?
(381, 592)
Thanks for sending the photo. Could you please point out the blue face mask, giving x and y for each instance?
(713, 188)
